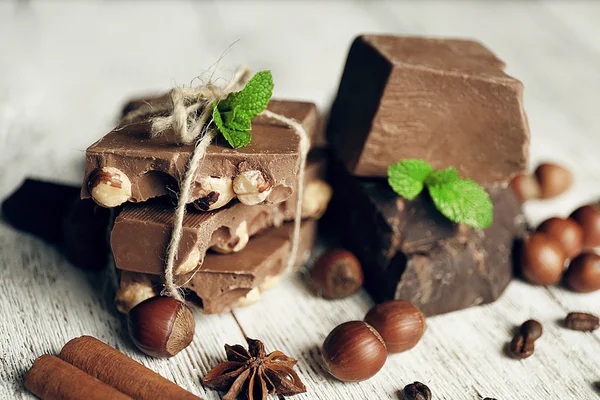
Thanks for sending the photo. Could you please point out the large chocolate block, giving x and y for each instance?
(141, 232)
(410, 251)
(153, 167)
(445, 101)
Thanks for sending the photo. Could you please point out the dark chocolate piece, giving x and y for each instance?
(410, 251)
(54, 213)
(146, 168)
(445, 101)
(39, 208)
(141, 233)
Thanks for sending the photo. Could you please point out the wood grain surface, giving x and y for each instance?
(66, 68)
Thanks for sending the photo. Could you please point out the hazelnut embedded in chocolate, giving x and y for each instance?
(109, 187)
(212, 192)
(251, 187)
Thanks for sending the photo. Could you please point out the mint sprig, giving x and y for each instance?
(460, 200)
(233, 116)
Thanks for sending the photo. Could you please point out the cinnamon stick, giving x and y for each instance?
(51, 378)
(119, 371)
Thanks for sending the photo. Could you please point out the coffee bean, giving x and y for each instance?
(417, 391)
(521, 347)
(531, 329)
(489, 398)
(580, 321)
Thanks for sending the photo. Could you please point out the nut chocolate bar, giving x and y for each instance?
(141, 233)
(447, 102)
(232, 280)
(127, 166)
(410, 251)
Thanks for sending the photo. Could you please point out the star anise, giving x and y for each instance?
(252, 374)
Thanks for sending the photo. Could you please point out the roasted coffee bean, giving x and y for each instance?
(531, 329)
(417, 391)
(521, 347)
(580, 321)
(489, 398)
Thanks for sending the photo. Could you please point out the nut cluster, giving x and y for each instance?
(357, 350)
(111, 187)
(561, 243)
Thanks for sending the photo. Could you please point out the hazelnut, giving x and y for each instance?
(583, 274)
(553, 179)
(315, 199)
(212, 192)
(191, 262)
(567, 231)
(236, 243)
(253, 296)
(354, 351)
(589, 219)
(109, 187)
(270, 282)
(134, 289)
(251, 187)
(337, 274)
(161, 326)
(526, 187)
(399, 322)
(542, 259)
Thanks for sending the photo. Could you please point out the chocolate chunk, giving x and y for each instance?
(39, 208)
(224, 279)
(142, 231)
(136, 168)
(445, 101)
(234, 280)
(410, 251)
(55, 213)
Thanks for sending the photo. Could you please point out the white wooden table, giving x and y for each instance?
(65, 69)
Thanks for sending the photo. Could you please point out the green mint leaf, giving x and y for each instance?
(253, 98)
(407, 177)
(463, 201)
(236, 136)
(442, 176)
(233, 116)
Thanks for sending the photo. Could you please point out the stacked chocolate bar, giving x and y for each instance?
(236, 231)
(447, 102)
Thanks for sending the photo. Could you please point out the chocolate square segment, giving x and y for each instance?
(410, 251)
(156, 166)
(448, 102)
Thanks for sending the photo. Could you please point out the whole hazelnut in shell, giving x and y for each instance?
(553, 179)
(583, 274)
(589, 219)
(354, 352)
(399, 322)
(567, 231)
(337, 274)
(542, 259)
(161, 326)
